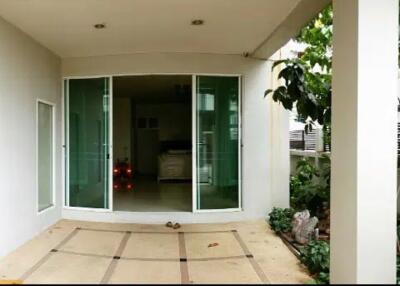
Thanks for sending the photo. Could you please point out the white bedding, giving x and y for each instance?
(175, 165)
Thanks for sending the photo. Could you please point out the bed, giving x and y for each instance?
(175, 162)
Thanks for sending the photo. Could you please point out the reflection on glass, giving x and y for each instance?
(217, 142)
(45, 155)
(88, 142)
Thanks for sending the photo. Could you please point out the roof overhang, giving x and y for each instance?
(253, 27)
(300, 16)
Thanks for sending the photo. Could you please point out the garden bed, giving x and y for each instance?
(295, 247)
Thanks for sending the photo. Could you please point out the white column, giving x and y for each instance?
(279, 140)
(364, 134)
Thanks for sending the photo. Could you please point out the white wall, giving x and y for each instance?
(27, 72)
(257, 163)
(174, 119)
(122, 128)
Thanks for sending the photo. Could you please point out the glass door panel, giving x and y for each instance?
(217, 142)
(88, 142)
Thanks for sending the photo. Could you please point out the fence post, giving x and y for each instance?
(319, 140)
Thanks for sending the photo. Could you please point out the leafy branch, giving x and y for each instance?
(307, 79)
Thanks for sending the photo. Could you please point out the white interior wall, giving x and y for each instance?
(122, 128)
(28, 71)
(174, 119)
(258, 145)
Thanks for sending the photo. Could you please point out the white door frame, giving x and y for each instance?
(65, 137)
(65, 124)
(194, 145)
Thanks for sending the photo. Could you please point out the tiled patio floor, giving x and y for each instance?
(87, 252)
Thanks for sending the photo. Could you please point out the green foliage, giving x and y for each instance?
(398, 269)
(322, 278)
(398, 250)
(280, 220)
(308, 78)
(310, 188)
(305, 170)
(315, 256)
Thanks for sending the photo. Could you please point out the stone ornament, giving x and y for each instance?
(303, 227)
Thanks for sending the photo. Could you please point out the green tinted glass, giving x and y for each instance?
(88, 142)
(217, 142)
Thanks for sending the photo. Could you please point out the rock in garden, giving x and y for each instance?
(303, 226)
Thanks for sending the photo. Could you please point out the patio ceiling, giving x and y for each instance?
(134, 26)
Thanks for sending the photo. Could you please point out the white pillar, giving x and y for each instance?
(364, 134)
(279, 140)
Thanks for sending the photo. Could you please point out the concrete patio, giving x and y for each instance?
(88, 252)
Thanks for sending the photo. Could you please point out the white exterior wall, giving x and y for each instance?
(28, 72)
(257, 137)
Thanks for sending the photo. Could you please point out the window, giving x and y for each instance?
(45, 155)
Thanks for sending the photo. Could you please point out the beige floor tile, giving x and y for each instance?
(283, 269)
(144, 245)
(227, 271)
(94, 242)
(146, 272)
(21, 260)
(68, 269)
(197, 245)
(207, 227)
(275, 259)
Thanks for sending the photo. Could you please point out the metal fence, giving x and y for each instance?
(300, 140)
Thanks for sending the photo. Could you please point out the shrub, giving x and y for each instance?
(281, 219)
(315, 256)
(309, 188)
(322, 278)
(398, 269)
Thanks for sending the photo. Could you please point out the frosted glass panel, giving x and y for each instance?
(45, 155)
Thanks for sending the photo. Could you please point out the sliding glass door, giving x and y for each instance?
(217, 142)
(87, 111)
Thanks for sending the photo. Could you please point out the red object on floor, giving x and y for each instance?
(122, 175)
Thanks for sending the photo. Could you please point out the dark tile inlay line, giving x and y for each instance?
(183, 261)
(114, 261)
(84, 254)
(35, 267)
(218, 258)
(152, 259)
(251, 259)
(154, 232)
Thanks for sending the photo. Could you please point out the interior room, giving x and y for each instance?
(152, 143)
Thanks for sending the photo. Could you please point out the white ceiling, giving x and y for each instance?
(66, 26)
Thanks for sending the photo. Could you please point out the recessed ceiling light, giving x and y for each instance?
(197, 22)
(100, 26)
